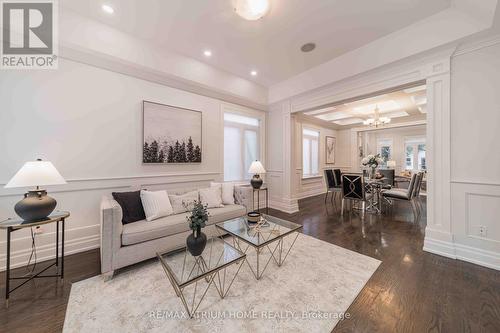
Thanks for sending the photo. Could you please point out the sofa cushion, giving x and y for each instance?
(225, 213)
(227, 192)
(156, 204)
(184, 202)
(211, 197)
(131, 205)
(143, 231)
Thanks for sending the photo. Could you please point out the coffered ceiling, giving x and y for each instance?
(271, 45)
(401, 106)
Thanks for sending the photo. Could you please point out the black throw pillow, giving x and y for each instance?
(131, 206)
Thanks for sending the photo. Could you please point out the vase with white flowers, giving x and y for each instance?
(372, 162)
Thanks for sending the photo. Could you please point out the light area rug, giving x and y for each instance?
(310, 292)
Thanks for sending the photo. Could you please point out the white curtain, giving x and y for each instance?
(241, 145)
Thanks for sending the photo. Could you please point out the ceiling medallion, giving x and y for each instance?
(377, 121)
(251, 10)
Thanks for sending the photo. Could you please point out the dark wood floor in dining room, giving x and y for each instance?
(412, 291)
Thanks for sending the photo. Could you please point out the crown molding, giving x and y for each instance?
(477, 45)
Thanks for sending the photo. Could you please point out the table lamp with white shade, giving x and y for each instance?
(36, 205)
(391, 164)
(256, 168)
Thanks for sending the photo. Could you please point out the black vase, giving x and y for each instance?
(196, 242)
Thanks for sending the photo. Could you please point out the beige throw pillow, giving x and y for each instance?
(156, 204)
(227, 192)
(178, 200)
(211, 197)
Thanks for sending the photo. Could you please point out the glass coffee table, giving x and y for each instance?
(191, 277)
(267, 239)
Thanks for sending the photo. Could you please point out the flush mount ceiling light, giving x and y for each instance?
(107, 9)
(207, 53)
(251, 9)
(253, 73)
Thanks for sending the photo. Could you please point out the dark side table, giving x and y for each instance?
(12, 225)
(258, 190)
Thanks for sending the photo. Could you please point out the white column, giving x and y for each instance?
(438, 233)
(281, 157)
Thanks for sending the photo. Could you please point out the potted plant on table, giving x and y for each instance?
(372, 162)
(197, 241)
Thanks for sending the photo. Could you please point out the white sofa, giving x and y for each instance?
(127, 244)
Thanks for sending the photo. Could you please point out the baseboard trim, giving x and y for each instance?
(463, 252)
(289, 206)
(47, 252)
(311, 193)
(444, 249)
(478, 256)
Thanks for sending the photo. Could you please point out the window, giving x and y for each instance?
(415, 154)
(241, 145)
(310, 153)
(421, 157)
(384, 148)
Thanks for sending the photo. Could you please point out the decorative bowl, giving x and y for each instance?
(253, 217)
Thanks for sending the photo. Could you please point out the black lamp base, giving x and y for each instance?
(36, 205)
(256, 182)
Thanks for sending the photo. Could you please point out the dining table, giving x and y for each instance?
(375, 185)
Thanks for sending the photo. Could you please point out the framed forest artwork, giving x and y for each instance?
(330, 150)
(171, 134)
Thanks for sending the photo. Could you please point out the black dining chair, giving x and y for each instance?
(338, 177)
(353, 189)
(331, 185)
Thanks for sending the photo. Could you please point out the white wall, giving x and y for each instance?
(344, 150)
(310, 186)
(475, 158)
(88, 122)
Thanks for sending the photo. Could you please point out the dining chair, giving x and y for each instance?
(332, 185)
(338, 177)
(389, 175)
(408, 195)
(353, 189)
(418, 187)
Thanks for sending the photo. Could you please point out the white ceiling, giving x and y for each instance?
(401, 106)
(270, 45)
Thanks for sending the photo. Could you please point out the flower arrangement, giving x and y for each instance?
(372, 161)
(196, 241)
(199, 215)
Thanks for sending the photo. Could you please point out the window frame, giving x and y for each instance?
(414, 142)
(311, 138)
(385, 142)
(261, 135)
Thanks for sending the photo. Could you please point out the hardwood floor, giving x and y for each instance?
(412, 291)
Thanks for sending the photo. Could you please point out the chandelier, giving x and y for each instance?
(377, 121)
